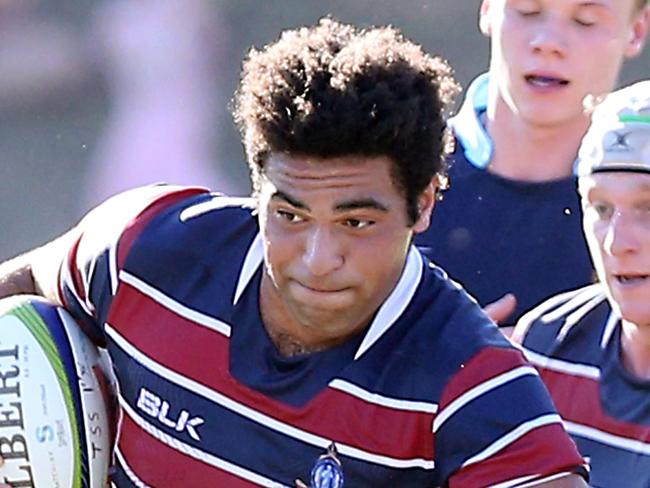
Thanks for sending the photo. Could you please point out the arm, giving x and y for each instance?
(36, 271)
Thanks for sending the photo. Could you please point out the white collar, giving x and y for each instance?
(467, 125)
(388, 313)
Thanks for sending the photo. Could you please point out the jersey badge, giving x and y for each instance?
(327, 472)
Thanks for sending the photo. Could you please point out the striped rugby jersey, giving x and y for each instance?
(574, 340)
(430, 395)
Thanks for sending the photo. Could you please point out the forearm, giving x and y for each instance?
(16, 277)
(36, 271)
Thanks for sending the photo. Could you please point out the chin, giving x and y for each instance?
(543, 117)
(320, 318)
(638, 315)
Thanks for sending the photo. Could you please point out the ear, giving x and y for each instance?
(484, 18)
(638, 33)
(426, 202)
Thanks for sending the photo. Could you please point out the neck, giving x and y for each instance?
(289, 346)
(635, 349)
(290, 336)
(528, 152)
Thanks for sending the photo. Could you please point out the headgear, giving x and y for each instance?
(619, 136)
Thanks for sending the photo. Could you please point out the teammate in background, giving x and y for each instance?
(298, 337)
(510, 222)
(592, 345)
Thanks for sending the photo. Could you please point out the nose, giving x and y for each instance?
(322, 253)
(621, 237)
(550, 37)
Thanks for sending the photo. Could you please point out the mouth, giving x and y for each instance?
(545, 81)
(631, 279)
(321, 295)
(321, 289)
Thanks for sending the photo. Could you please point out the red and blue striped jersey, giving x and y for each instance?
(574, 340)
(429, 395)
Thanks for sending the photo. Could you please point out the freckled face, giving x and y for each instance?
(617, 226)
(336, 237)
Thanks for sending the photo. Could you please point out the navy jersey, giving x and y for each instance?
(574, 340)
(430, 395)
(495, 235)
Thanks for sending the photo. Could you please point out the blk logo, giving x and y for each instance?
(157, 408)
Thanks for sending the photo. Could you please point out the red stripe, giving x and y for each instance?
(332, 414)
(152, 207)
(545, 451)
(487, 364)
(578, 400)
(71, 264)
(157, 464)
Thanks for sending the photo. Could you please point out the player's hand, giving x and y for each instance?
(2, 485)
(502, 308)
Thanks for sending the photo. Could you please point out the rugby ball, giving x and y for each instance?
(54, 418)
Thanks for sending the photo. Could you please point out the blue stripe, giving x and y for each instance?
(614, 467)
(120, 478)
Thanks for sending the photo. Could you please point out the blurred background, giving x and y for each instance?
(98, 96)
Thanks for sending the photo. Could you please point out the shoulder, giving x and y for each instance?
(162, 216)
(569, 324)
(495, 397)
(436, 325)
(461, 329)
(89, 273)
(194, 253)
(127, 212)
(493, 393)
(132, 203)
(206, 217)
(468, 339)
(202, 230)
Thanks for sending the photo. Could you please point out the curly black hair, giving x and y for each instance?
(333, 90)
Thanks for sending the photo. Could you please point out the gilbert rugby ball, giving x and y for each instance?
(54, 425)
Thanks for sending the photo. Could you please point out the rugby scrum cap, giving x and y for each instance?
(619, 136)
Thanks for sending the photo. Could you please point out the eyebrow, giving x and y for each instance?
(643, 187)
(282, 196)
(361, 203)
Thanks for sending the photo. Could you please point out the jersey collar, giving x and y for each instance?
(468, 127)
(397, 301)
(390, 311)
